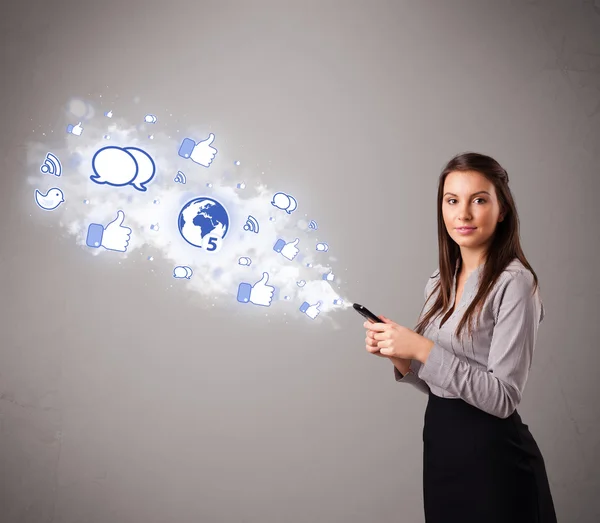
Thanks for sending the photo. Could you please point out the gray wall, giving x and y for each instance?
(125, 398)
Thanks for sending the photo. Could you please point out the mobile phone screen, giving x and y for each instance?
(363, 311)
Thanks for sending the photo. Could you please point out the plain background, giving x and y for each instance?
(168, 414)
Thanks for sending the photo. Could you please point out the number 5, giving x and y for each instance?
(212, 243)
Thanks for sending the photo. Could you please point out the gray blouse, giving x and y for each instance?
(489, 371)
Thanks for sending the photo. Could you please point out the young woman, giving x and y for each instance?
(480, 463)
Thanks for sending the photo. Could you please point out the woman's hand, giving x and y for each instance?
(371, 342)
(390, 340)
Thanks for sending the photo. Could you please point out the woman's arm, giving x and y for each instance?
(405, 371)
(498, 389)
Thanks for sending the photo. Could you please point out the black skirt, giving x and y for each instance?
(480, 468)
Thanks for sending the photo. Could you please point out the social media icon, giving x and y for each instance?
(288, 250)
(251, 225)
(51, 165)
(244, 261)
(301, 283)
(180, 178)
(150, 118)
(108, 114)
(113, 237)
(312, 225)
(204, 222)
(201, 153)
(119, 166)
(241, 185)
(75, 129)
(51, 200)
(329, 276)
(312, 311)
(182, 271)
(338, 301)
(323, 247)
(285, 202)
(259, 294)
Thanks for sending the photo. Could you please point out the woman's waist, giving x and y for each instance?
(456, 411)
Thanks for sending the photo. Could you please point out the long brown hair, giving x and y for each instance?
(505, 245)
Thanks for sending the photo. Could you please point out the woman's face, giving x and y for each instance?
(470, 201)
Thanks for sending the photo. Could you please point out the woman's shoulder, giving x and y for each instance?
(516, 274)
(516, 284)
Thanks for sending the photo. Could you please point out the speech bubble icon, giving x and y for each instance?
(281, 201)
(113, 166)
(146, 168)
(292, 206)
(179, 272)
(244, 261)
(188, 272)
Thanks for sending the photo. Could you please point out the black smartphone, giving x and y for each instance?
(363, 311)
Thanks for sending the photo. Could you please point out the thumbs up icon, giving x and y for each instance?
(289, 250)
(75, 129)
(113, 237)
(312, 311)
(329, 276)
(260, 293)
(202, 152)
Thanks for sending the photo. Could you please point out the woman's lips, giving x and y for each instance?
(465, 230)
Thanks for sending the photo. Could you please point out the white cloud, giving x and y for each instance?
(163, 200)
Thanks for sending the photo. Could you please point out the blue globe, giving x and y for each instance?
(202, 217)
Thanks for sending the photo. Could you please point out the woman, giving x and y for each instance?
(480, 464)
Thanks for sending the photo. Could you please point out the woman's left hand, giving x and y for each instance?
(398, 341)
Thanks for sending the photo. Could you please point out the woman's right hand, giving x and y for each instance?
(371, 345)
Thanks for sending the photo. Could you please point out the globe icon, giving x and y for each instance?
(201, 219)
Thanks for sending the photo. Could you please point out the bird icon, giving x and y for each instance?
(51, 200)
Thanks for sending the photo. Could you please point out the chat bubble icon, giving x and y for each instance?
(285, 202)
(292, 206)
(182, 272)
(146, 168)
(244, 261)
(113, 166)
(281, 201)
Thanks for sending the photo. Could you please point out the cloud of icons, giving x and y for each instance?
(219, 235)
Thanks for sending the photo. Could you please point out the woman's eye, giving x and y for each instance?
(450, 200)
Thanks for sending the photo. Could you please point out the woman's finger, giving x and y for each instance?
(381, 336)
(376, 326)
(384, 344)
(372, 349)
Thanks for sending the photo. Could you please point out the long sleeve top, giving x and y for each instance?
(490, 370)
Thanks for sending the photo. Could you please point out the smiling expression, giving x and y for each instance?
(470, 201)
